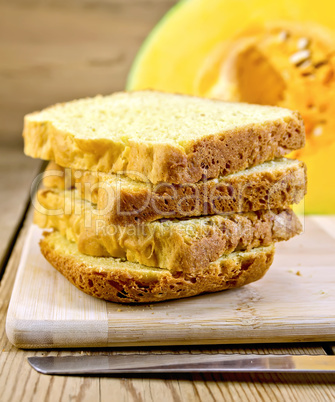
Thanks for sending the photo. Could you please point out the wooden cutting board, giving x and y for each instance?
(295, 301)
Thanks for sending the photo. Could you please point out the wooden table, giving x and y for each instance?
(18, 381)
(54, 51)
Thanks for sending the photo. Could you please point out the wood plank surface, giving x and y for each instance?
(19, 382)
(293, 302)
(54, 51)
(16, 175)
(328, 224)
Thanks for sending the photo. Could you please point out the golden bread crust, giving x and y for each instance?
(125, 282)
(265, 187)
(188, 245)
(225, 152)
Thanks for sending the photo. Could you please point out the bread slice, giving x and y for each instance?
(271, 185)
(177, 245)
(127, 282)
(161, 137)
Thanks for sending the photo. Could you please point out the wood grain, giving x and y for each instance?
(16, 175)
(293, 302)
(54, 51)
(19, 382)
(327, 223)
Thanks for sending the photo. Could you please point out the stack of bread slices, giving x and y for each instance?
(154, 196)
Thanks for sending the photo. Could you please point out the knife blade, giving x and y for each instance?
(182, 363)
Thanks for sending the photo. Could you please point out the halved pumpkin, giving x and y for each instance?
(258, 51)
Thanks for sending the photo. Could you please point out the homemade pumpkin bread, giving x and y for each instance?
(186, 245)
(154, 196)
(270, 185)
(122, 281)
(161, 137)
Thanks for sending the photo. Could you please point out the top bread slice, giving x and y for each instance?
(161, 137)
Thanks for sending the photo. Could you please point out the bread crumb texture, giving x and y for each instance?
(122, 281)
(186, 245)
(161, 137)
(270, 185)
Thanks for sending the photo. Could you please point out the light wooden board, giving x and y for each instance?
(293, 302)
(17, 172)
(197, 387)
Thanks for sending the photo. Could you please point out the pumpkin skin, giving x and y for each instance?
(176, 54)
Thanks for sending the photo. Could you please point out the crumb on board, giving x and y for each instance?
(298, 273)
(119, 310)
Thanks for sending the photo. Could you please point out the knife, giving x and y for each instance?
(182, 363)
